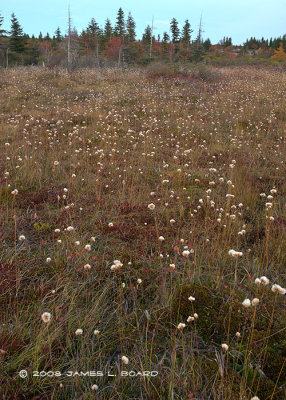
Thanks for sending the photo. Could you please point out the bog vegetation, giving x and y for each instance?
(142, 229)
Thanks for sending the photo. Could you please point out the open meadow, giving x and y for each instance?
(143, 234)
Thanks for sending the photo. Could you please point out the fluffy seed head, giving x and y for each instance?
(255, 302)
(246, 303)
(125, 360)
(264, 280)
(46, 317)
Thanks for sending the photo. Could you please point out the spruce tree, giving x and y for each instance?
(1, 23)
(146, 38)
(165, 43)
(166, 38)
(58, 35)
(93, 27)
(108, 31)
(17, 40)
(130, 27)
(120, 24)
(199, 49)
(175, 30)
(207, 44)
(186, 32)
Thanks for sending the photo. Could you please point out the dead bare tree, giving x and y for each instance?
(69, 40)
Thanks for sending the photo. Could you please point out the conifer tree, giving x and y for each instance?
(108, 31)
(17, 40)
(93, 27)
(186, 32)
(279, 54)
(207, 44)
(130, 27)
(120, 24)
(146, 38)
(175, 30)
(166, 38)
(94, 33)
(1, 23)
(58, 35)
(165, 43)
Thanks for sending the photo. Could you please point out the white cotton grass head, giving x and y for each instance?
(94, 387)
(278, 289)
(79, 332)
(87, 267)
(191, 299)
(186, 253)
(151, 206)
(22, 238)
(255, 398)
(238, 335)
(48, 260)
(264, 280)
(190, 319)
(181, 326)
(224, 346)
(257, 281)
(246, 303)
(117, 264)
(96, 332)
(255, 301)
(234, 253)
(46, 317)
(125, 360)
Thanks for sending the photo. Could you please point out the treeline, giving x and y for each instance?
(96, 45)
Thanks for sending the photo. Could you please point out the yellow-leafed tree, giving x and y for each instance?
(279, 53)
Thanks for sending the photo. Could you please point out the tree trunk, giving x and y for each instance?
(119, 57)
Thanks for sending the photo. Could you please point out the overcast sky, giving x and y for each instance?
(239, 19)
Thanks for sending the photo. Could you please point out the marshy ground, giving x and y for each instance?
(85, 157)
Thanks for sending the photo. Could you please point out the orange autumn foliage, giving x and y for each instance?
(279, 53)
